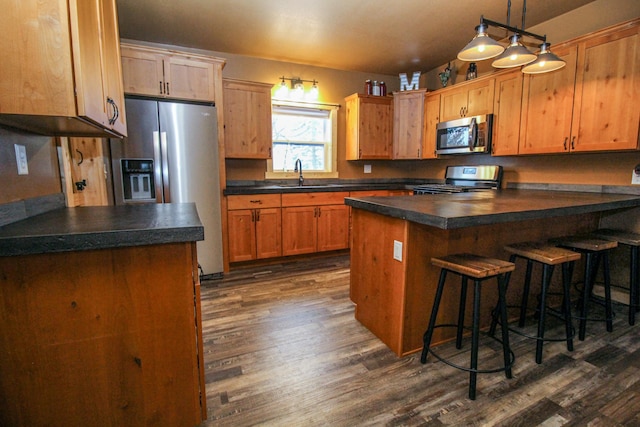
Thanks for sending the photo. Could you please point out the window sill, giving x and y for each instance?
(294, 175)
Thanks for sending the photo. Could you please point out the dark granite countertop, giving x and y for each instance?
(101, 227)
(449, 211)
(312, 187)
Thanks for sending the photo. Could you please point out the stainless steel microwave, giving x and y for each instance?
(465, 136)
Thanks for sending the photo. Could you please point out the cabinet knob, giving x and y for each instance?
(167, 88)
(573, 143)
(564, 144)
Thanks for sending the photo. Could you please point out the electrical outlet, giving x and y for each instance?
(397, 250)
(21, 159)
(635, 175)
(367, 168)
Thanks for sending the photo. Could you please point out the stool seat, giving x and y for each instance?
(621, 236)
(543, 252)
(549, 256)
(479, 269)
(587, 243)
(631, 239)
(475, 266)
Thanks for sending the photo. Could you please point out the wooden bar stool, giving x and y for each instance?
(477, 268)
(548, 256)
(632, 240)
(595, 250)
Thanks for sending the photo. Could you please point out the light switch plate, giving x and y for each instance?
(21, 159)
(635, 178)
(397, 250)
(367, 168)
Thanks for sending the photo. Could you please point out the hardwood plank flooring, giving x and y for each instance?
(282, 348)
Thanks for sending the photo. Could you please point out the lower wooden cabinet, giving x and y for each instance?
(254, 227)
(314, 222)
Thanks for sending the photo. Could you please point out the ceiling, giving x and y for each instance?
(375, 36)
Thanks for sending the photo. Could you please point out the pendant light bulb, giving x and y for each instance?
(481, 47)
(546, 62)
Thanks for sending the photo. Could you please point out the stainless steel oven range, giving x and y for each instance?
(461, 179)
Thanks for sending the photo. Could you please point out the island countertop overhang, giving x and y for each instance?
(451, 211)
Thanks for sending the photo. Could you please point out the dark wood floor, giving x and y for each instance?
(282, 348)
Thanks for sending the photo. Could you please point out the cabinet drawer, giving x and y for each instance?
(252, 201)
(314, 199)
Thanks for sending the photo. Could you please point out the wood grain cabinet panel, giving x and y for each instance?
(59, 61)
(507, 108)
(247, 119)
(467, 99)
(254, 227)
(408, 123)
(369, 132)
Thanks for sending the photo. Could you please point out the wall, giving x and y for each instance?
(44, 176)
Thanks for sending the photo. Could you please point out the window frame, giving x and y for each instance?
(332, 156)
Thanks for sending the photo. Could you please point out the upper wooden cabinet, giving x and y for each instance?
(169, 74)
(369, 127)
(60, 68)
(589, 104)
(506, 110)
(247, 119)
(408, 123)
(605, 114)
(467, 99)
(431, 119)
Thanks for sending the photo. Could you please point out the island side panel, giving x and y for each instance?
(99, 336)
(377, 280)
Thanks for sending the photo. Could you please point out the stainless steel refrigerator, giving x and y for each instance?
(171, 156)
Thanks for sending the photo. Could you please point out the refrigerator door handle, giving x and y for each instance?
(165, 167)
(157, 166)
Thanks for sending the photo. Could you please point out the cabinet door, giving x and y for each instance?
(333, 227)
(408, 124)
(86, 26)
(142, 72)
(369, 127)
(299, 230)
(188, 79)
(606, 115)
(471, 99)
(113, 87)
(506, 119)
(453, 103)
(431, 119)
(268, 233)
(242, 235)
(247, 120)
(480, 98)
(547, 105)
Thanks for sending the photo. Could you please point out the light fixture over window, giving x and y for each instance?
(516, 54)
(297, 92)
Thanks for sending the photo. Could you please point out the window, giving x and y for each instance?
(303, 131)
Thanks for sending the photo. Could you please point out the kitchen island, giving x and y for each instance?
(392, 280)
(100, 317)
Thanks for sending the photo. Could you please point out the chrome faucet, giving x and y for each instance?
(298, 168)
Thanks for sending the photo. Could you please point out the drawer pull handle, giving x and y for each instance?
(256, 201)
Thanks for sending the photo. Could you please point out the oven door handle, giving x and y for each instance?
(473, 135)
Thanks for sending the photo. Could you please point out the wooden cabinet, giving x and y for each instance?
(547, 106)
(467, 99)
(589, 104)
(369, 127)
(506, 109)
(605, 110)
(408, 123)
(314, 222)
(169, 74)
(60, 68)
(254, 225)
(247, 119)
(102, 337)
(431, 119)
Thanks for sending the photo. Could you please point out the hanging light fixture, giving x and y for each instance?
(484, 47)
(297, 90)
(515, 55)
(481, 47)
(546, 61)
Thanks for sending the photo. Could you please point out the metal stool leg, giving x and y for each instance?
(607, 292)
(547, 271)
(567, 272)
(475, 337)
(461, 310)
(503, 282)
(634, 283)
(586, 294)
(525, 293)
(432, 320)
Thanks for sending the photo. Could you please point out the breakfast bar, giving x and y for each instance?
(394, 238)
